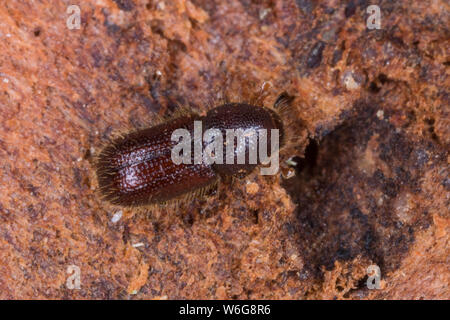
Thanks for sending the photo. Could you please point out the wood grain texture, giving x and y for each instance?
(373, 106)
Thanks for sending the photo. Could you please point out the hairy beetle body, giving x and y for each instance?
(137, 168)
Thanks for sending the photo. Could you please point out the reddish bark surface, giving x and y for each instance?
(371, 112)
